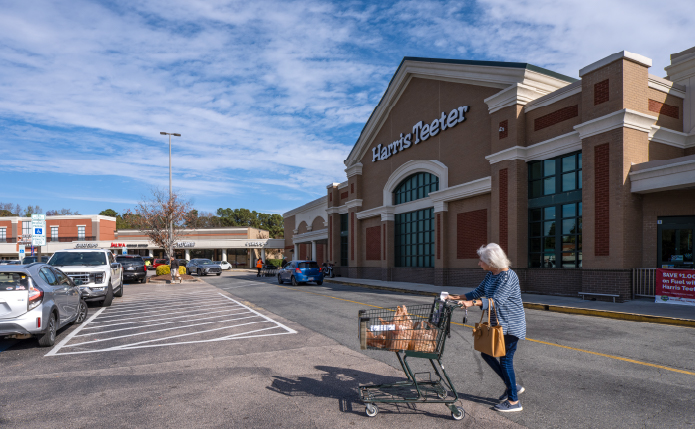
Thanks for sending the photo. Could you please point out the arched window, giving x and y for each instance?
(415, 187)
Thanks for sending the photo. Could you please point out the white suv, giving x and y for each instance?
(95, 271)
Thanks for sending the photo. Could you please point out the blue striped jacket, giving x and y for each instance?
(505, 292)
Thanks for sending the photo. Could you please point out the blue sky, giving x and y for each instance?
(269, 96)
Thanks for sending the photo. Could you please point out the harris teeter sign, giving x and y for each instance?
(421, 132)
(675, 286)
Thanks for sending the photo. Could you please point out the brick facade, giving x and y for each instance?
(601, 92)
(618, 226)
(471, 233)
(602, 200)
(503, 210)
(556, 117)
(663, 109)
(373, 243)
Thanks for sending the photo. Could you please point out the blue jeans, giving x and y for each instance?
(505, 366)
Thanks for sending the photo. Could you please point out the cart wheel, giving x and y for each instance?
(459, 414)
(371, 410)
(441, 395)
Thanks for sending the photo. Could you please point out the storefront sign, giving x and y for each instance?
(185, 244)
(86, 245)
(421, 132)
(118, 245)
(675, 286)
(136, 245)
(255, 244)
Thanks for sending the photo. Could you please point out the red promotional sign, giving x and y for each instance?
(675, 286)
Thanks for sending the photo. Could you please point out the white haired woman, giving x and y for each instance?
(502, 286)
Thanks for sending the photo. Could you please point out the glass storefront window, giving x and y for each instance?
(415, 187)
(675, 241)
(414, 240)
(555, 212)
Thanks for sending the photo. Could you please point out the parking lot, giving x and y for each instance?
(197, 355)
(168, 318)
(242, 351)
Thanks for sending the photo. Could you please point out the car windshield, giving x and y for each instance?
(308, 265)
(205, 262)
(161, 261)
(68, 259)
(136, 261)
(13, 281)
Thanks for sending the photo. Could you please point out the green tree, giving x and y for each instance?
(109, 212)
(273, 223)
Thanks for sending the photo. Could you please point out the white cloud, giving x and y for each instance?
(265, 93)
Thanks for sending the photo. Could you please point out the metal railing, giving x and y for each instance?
(643, 280)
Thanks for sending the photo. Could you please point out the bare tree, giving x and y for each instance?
(161, 219)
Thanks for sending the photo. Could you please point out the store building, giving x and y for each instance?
(580, 181)
(306, 231)
(240, 246)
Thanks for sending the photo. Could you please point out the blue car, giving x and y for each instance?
(301, 272)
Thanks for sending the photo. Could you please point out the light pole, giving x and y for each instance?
(171, 221)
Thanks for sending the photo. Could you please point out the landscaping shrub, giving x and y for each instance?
(165, 269)
(277, 263)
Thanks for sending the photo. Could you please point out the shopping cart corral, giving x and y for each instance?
(269, 271)
(420, 332)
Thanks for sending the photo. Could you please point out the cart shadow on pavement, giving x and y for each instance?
(343, 384)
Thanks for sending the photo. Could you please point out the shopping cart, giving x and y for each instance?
(420, 334)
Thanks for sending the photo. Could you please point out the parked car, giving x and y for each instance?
(158, 262)
(182, 262)
(224, 265)
(301, 272)
(11, 262)
(203, 267)
(96, 270)
(133, 267)
(31, 259)
(37, 300)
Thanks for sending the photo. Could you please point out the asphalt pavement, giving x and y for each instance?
(578, 371)
(196, 355)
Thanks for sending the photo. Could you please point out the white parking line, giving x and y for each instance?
(221, 304)
(155, 324)
(60, 345)
(168, 306)
(97, 340)
(138, 304)
(232, 308)
(199, 313)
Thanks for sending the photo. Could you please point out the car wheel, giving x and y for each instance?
(198, 272)
(219, 274)
(280, 280)
(82, 311)
(319, 283)
(109, 296)
(49, 336)
(188, 273)
(294, 281)
(120, 290)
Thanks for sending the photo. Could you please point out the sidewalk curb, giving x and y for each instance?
(632, 317)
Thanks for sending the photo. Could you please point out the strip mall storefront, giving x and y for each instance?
(583, 182)
(240, 246)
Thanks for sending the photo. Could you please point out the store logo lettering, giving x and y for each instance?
(421, 132)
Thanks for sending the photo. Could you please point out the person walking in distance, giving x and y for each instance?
(174, 269)
(259, 265)
(502, 286)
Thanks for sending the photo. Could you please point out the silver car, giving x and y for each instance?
(203, 267)
(37, 300)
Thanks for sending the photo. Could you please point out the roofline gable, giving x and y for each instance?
(495, 74)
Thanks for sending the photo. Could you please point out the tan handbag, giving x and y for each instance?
(489, 339)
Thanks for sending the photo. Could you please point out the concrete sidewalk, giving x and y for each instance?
(639, 310)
